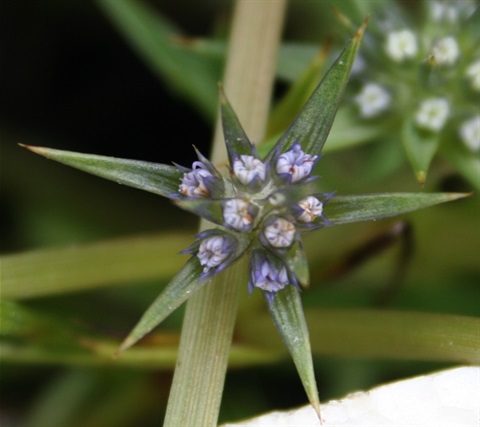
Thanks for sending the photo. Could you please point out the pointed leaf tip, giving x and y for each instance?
(421, 177)
(156, 178)
(362, 28)
(287, 315)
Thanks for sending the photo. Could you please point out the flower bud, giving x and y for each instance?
(311, 208)
(268, 273)
(195, 182)
(279, 233)
(249, 169)
(238, 214)
(295, 164)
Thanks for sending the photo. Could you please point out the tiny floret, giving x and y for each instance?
(267, 273)
(194, 182)
(248, 168)
(238, 215)
(473, 73)
(401, 45)
(280, 233)
(311, 207)
(295, 163)
(445, 51)
(212, 252)
(372, 100)
(432, 114)
(470, 133)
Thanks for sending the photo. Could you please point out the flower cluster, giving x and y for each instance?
(261, 208)
(428, 74)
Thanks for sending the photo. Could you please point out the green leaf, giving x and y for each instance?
(370, 207)
(420, 145)
(34, 337)
(182, 287)
(153, 177)
(152, 38)
(393, 334)
(58, 271)
(312, 125)
(287, 314)
(376, 334)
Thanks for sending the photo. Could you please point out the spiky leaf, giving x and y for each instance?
(287, 314)
(312, 125)
(153, 177)
(370, 207)
(181, 287)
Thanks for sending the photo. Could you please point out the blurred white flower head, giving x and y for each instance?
(473, 73)
(401, 45)
(441, 11)
(432, 114)
(470, 133)
(372, 100)
(446, 51)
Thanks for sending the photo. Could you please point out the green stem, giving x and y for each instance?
(210, 315)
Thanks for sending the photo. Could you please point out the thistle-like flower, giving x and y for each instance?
(265, 205)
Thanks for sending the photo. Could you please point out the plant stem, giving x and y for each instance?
(210, 315)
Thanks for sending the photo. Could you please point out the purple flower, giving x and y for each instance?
(212, 252)
(215, 249)
(249, 169)
(279, 232)
(267, 273)
(311, 209)
(294, 164)
(239, 214)
(195, 182)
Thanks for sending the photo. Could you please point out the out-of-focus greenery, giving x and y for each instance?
(82, 258)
